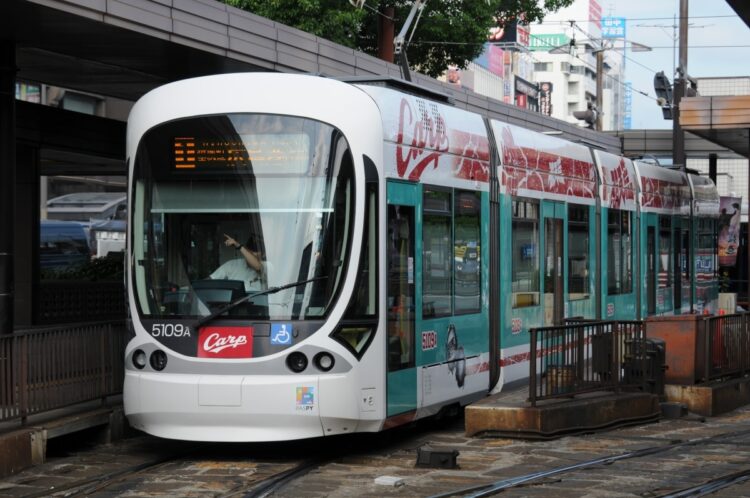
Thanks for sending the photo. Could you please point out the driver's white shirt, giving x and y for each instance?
(238, 269)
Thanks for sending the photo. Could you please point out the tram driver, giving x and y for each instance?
(250, 267)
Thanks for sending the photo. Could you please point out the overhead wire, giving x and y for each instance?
(723, 16)
(588, 64)
(575, 24)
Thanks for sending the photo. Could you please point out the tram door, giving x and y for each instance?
(554, 258)
(401, 247)
(676, 267)
(651, 269)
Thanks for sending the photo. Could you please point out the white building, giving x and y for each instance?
(564, 54)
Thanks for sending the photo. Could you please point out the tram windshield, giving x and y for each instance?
(227, 206)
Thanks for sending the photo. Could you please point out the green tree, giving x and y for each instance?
(449, 31)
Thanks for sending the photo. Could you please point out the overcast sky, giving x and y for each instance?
(714, 24)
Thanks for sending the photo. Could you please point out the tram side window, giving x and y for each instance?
(467, 251)
(578, 252)
(620, 252)
(685, 258)
(361, 315)
(665, 252)
(364, 300)
(400, 249)
(705, 262)
(437, 255)
(525, 259)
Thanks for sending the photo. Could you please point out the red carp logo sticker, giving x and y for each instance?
(225, 342)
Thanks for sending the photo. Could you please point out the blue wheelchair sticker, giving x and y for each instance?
(281, 334)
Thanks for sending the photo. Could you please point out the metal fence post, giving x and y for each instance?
(707, 349)
(744, 337)
(581, 344)
(532, 368)
(103, 358)
(23, 377)
(616, 346)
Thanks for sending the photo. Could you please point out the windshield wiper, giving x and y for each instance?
(233, 304)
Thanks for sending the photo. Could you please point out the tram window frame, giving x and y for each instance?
(472, 213)
(444, 215)
(707, 240)
(401, 291)
(437, 223)
(525, 219)
(579, 229)
(364, 302)
(619, 226)
(357, 329)
(665, 250)
(685, 267)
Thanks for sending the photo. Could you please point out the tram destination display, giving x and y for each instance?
(272, 153)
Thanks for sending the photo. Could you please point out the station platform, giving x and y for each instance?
(711, 399)
(24, 446)
(509, 414)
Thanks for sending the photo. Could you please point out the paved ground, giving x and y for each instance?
(148, 466)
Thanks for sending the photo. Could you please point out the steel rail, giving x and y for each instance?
(274, 483)
(711, 486)
(491, 488)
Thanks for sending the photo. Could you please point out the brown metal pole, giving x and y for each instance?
(386, 33)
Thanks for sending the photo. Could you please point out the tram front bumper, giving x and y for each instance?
(223, 408)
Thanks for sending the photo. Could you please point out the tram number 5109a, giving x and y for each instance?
(170, 330)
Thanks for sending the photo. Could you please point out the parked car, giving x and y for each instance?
(87, 206)
(103, 213)
(62, 245)
(107, 236)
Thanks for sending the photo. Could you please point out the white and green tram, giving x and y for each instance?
(401, 250)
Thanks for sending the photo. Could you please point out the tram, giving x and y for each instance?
(396, 250)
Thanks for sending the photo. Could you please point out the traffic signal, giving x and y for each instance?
(663, 89)
(588, 116)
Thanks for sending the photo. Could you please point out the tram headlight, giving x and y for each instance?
(158, 360)
(324, 361)
(139, 359)
(296, 362)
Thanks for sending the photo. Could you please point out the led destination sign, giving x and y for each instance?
(269, 153)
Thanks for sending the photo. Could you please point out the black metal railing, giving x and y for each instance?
(724, 346)
(74, 302)
(584, 356)
(49, 368)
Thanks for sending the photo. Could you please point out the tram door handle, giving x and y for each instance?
(559, 266)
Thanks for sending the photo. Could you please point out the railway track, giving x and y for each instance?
(670, 459)
(493, 488)
(263, 483)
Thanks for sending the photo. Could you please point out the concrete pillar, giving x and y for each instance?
(7, 180)
(26, 254)
(713, 161)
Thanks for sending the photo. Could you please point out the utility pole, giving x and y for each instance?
(599, 86)
(386, 32)
(680, 89)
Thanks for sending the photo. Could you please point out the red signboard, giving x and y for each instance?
(225, 342)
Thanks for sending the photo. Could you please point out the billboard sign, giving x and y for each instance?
(545, 98)
(545, 43)
(729, 230)
(613, 27)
